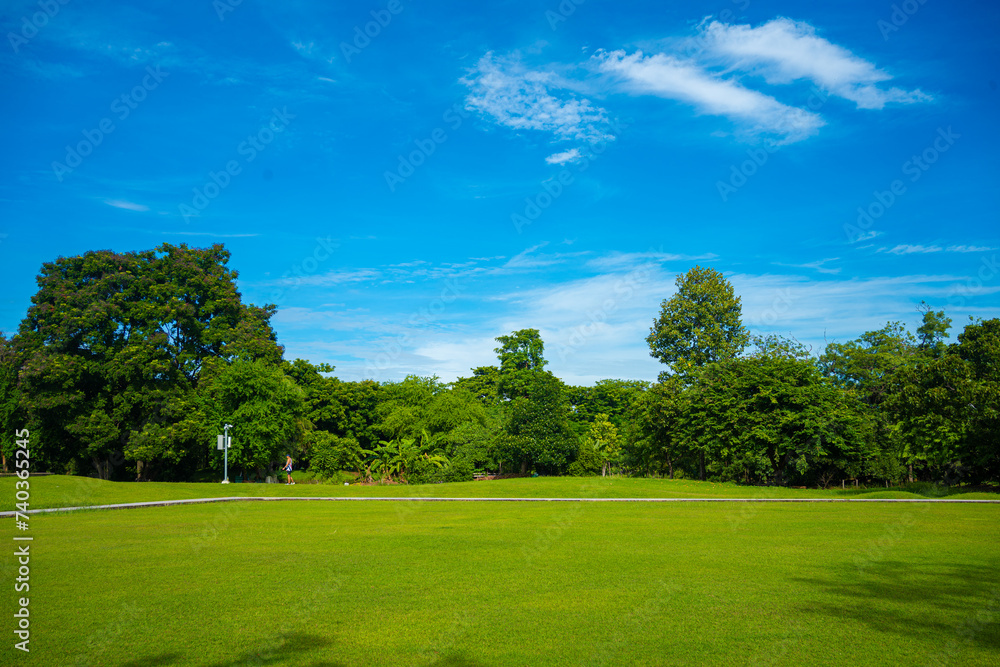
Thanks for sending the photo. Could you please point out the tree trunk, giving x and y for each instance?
(102, 466)
(524, 467)
(910, 467)
(670, 465)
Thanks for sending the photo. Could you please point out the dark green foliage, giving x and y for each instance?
(588, 462)
(267, 411)
(613, 398)
(459, 469)
(128, 364)
(329, 454)
(113, 347)
(536, 434)
(522, 358)
(484, 384)
(768, 416)
(949, 407)
(654, 443)
(12, 414)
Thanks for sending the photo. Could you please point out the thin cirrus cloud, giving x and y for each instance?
(669, 77)
(783, 51)
(514, 96)
(127, 205)
(907, 249)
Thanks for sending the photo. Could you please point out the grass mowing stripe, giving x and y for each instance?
(195, 501)
(61, 491)
(517, 583)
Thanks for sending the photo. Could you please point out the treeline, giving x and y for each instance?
(127, 365)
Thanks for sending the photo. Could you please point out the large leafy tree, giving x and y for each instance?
(536, 431)
(522, 358)
(771, 413)
(870, 367)
(700, 324)
(535, 413)
(933, 330)
(266, 408)
(656, 424)
(114, 343)
(949, 407)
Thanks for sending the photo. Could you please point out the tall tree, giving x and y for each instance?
(933, 330)
(700, 324)
(522, 357)
(114, 343)
(536, 430)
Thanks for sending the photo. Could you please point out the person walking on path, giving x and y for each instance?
(288, 469)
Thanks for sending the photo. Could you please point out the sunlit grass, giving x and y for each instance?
(60, 491)
(299, 583)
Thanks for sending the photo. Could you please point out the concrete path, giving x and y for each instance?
(195, 501)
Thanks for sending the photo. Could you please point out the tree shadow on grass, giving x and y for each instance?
(894, 597)
(455, 660)
(162, 659)
(289, 648)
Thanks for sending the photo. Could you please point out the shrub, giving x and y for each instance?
(588, 462)
(331, 453)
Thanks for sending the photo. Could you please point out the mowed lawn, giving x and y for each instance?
(466, 584)
(63, 491)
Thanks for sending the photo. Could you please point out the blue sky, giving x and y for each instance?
(407, 181)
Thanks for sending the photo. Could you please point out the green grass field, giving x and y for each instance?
(61, 491)
(468, 584)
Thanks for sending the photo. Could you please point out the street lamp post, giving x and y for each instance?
(225, 453)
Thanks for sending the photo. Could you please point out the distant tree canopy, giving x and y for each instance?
(128, 364)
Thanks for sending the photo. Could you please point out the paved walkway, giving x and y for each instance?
(195, 501)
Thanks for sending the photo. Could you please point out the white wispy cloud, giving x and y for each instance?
(337, 277)
(906, 249)
(784, 50)
(968, 248)
(866, 236)
(213, 234)
(571, 155)
(127, 205)
(514, 96)
(817, 265)
(666, 76)
(615, 261)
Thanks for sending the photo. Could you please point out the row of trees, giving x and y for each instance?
(886, 406)
(126, 366)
